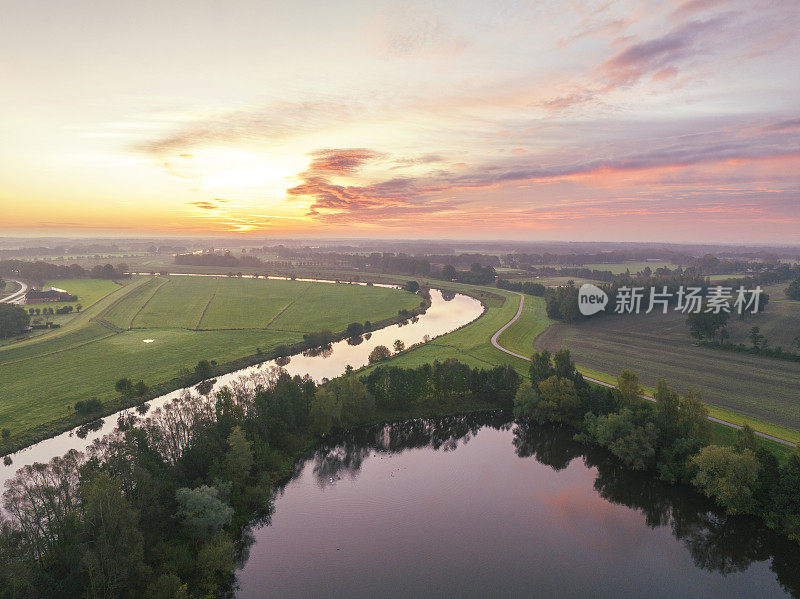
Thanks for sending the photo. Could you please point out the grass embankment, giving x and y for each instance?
(44, 377)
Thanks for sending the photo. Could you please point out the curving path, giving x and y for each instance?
(604, 384)
(17, 296)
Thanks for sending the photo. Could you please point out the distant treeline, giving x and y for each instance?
(39, 271)
(91, 249)
(217, 259)
(479, 271)
(527, 287)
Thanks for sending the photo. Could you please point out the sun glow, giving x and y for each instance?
(223, 169)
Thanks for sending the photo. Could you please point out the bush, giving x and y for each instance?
(380, 353)
(90, 406)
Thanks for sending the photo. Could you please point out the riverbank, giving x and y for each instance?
(52, 428)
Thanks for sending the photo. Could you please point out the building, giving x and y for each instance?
(35, 296)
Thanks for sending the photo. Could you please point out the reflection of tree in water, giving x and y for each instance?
(344, 454)
(325, 351)
(357, 340)
(448, 295)
(716, 541)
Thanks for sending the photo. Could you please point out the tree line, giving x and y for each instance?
(39, 271)
(670, 437)
(156, 509)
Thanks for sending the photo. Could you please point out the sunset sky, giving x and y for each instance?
(642, 121)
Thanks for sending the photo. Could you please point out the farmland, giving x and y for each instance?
(155, 326)
(659, 346)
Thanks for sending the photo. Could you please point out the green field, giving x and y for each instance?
(659, 346)
(42, 378)
(88, 291)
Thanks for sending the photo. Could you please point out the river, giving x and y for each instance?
(447, 312)
(476, 506)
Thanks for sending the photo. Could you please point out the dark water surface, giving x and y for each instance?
(475, 506)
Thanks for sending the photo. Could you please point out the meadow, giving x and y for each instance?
(154, 327)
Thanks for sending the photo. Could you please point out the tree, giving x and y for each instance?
(13, 320)
(728, 476)
(793, 290)
(114, 548)
(124, 386)
(203, 370)
(559, 400)
(449, 272)
(411, 286)
(379, 353)
(541, 366)
(755, 336)
(564, 366)
(634, 444)
(745, 439)
(526, 402)
(6, 434)
(354, 329)
(202, 512)
(239, 457)
(786, 496)
(140, 389)
(341, 403)
(399, 345)
(628, 391)
(705, 325)
(215, 563)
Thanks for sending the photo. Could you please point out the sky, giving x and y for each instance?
(591, 121)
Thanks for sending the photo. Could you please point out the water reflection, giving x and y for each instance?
(718, 544)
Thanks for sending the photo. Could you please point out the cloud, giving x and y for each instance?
(411, 30)
(788, 126)
(341, 161)
(209, 204)
(692, 7)
(264, 124)
(632, 63)
(441, 191)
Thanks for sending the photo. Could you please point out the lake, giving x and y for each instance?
(476, 506)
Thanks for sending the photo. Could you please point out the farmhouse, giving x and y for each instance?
(35, 296)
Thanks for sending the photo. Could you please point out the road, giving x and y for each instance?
(17, 296)
(604, 384)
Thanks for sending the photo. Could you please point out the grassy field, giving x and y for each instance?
(659, 346)
(41, 379)
(88, 291)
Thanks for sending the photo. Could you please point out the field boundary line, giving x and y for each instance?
(286, 307)
(208, 303)
(604, 384)
(139, 311)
